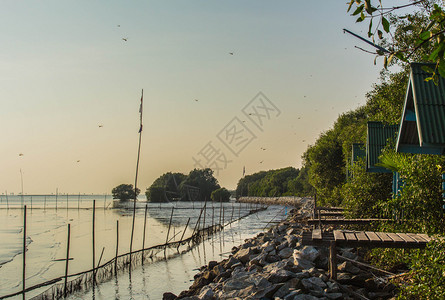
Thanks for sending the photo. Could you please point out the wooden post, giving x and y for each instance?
(186, 225)
(65, 292)
(7, 201)
(169, 225)
(78, 202)
(213, 217)
(31, 203)
(223, 221)
(220, 212)
(94, 242)
(24, 251)
(205, 212)
(315, 205)
(117, 247)
(105, 200)
(333, 260)
(231, 217)
(143, 237)
(57, 191)
(239, 211)
(44, 203)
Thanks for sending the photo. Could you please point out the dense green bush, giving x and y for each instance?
(220, 195)
(427, 275)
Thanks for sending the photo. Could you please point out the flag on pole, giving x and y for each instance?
(140, 110)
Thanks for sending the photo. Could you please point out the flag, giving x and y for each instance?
(140, 111)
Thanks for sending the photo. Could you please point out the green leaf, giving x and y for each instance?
(380, 34)
(424, 35)
(358, 10)
(442, 68)
(385, 24)
(369, 8)
(350, 5)
(370, 29)
(409, 27)
(361, 18)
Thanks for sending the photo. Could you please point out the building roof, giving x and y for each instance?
(422, 127)
(378, 136)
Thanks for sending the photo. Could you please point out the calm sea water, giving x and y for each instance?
(47, 240)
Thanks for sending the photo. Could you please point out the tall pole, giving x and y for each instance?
(24, 251)
(136, 177)
(94, 242)
(21, 178)
(67, 260)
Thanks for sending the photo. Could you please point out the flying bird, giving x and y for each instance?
(231, 53)
(125, 39)
(20, 154)
(261, 161)
(196, 100)
(118, 25)
(78, 160)
(263, 148)
(100, 126)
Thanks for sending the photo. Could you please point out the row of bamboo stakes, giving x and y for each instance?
(56, 201)
(197, 235)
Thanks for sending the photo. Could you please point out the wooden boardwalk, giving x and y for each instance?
(346, 221)
(370, 239)
(349, 238)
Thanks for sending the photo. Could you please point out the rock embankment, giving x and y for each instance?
(285, 200)
(275, 265)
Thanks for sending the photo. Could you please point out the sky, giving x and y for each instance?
(227, 84)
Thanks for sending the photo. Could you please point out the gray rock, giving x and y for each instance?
(314, 283)
(302, 264)
(268, 247)
(285, 253)
(291, 240)
(348, 267)
(206, 293)
(305, 297)
(230, 262)
(168, 296)
(292, 295)
(308, 252)
(334, 296)
(243, 254)
(279, 276)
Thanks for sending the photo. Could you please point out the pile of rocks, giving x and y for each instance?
(274, 265)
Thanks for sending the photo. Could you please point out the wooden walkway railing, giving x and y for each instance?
(369, 239)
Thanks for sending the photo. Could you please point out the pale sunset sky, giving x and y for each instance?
(72, 74)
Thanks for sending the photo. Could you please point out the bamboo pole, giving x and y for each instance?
(44, 203)
(136, 179)
(57, 191)
(94, 242)
(31, 202)
(24, 252)
(67, 260)
(117, 247)
(7, 201)
(205, 212)
(186, 225)
(143, 236)
(169, 225)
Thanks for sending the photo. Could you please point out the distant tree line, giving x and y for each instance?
(275, 183)
(198, 185)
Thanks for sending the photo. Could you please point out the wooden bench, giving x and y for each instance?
(370, 239)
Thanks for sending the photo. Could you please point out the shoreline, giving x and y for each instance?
(275, 265)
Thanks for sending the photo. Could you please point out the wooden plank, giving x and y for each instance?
(316, 234)
(407, 238)
(424, 236)
(350, 236)
(384, 237)
(372, 236)
(361, 236)
(395, 237)
(330, 208)
(418, 239)
(339, 236)
(346, 221)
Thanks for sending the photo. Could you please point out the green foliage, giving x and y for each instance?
(165, 187)
(427, 273)
(420, 202)
(125, 192)
(174, 186)
(275, 183)
(220, 195)
(413, 34)
(203, 180)
(364, 191)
